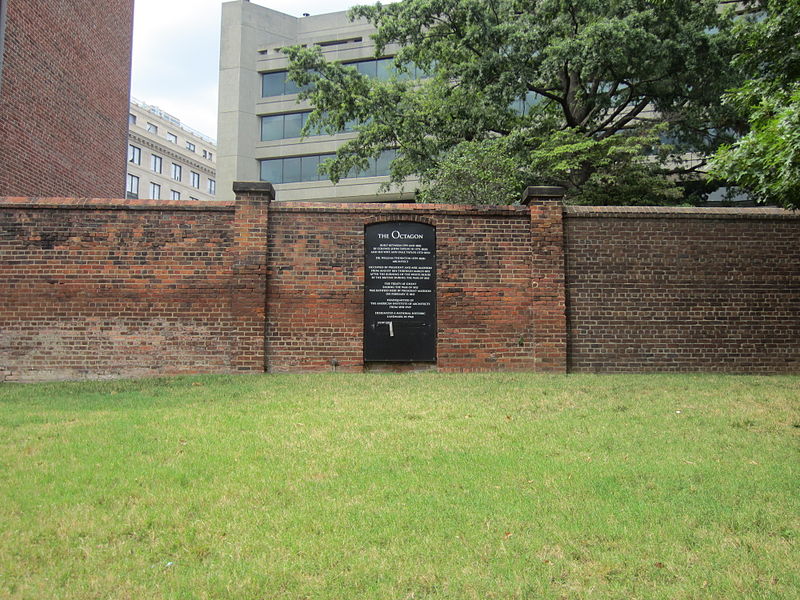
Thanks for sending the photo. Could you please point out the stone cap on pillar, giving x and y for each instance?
(261, 189)
(535, 193)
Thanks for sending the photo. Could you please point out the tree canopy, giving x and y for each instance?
(616, 100)
(766, 161)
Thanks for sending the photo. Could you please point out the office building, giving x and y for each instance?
(166, 159)
(65, 71)
(259, 114)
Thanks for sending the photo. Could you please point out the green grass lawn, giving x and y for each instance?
(414, 486)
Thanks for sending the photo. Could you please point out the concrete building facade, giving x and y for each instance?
(259, 114)
(166, 159)
(65, 71)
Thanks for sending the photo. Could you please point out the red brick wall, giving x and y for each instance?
(102, 288)
(64, 98)
(316, 272)
(683, 289)
(99, 288)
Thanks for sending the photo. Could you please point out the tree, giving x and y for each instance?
(766, 161)
(603, 97)
(479, 172)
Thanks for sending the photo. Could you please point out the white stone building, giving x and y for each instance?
(166, 159)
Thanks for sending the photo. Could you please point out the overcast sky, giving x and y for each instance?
(176, 53)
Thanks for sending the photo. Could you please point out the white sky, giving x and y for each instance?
(176, 53)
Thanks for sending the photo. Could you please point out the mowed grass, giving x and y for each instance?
(388, 486)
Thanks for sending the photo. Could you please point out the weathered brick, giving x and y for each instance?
(682, 289)
(102, 288)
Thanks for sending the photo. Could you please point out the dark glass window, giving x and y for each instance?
(292, 124)
(277, 84)
(272, 128)
(272, 170)
(304, 168)
(292, 169)
(132, 187)
(354, 172)
(272, 83)
(308, 169)
(522, 105)
(367, 67)
(134, 154)
(279, 127)
(290, 87)
(385, 68)
(382, 164)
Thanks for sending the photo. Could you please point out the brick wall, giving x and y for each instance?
(99, 288)
(316, 272)
(64, 98)
(102, 288)
(683, 289)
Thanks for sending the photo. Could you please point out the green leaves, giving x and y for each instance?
(766, 161)
(604, 81)
(480, 172)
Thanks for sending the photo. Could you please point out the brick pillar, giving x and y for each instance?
(249, 274)
(548, 277)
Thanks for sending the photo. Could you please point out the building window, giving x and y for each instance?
(155, 191)
(131, 119)
(134, 154)
(304, 168)
(195, 179)
(174, 195)
(155, 163)
(277, 84)
(521, 106)
(193, 198)
(289, 125)
(176, 172)
(383, 69)
(208, 155)
(171, 137)
(132, 187)
(152, 128)
(280, 127)
(190, 146)
(212, 186)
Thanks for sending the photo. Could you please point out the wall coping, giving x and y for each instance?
(572, 211)
(116, 204)
(254, 188)
(680, 212)
(399, 208)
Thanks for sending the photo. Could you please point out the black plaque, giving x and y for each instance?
(400, 292)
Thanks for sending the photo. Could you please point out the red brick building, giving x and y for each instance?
(64, 89)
